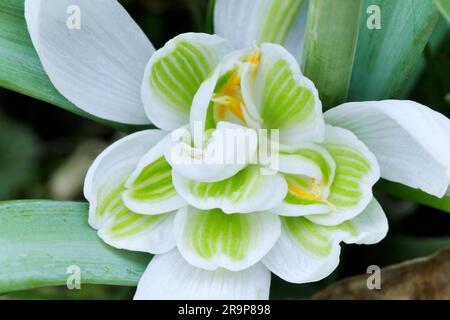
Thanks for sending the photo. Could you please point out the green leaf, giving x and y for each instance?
(41, 239)
(444, 8)
(386, 58)
(404, 192)
(330, 43)
(21, 69)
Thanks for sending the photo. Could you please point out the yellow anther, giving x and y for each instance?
(315, 195)
(254, 57)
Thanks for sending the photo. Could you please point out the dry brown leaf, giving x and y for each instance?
(419, 279)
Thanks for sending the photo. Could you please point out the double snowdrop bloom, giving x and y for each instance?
(218, 230)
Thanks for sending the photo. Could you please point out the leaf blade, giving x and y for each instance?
(404, 192)
(386, 58)
(41, 239)
(330, 44)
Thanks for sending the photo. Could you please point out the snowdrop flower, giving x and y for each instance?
(218, 230)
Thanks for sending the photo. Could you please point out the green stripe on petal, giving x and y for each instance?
(274, 21)
(105, 179)
(136, 232)
(356, 172)
(309, 171)
(104, 186)
(175, 73)
(287, 100)
(279, 20)
(247, 191)
(307, 252)
(149, 189)
(212, 239)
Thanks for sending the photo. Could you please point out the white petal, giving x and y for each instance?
(149, 189)
(369, 227)
(170, 277)
(286, 99)
(305, 252)
(309, 171)
(98, 67)
(174, 75)
(259, 21)
(356, 172)
(229, 149)
(105, 179)
(104, 186)
(212, 239)
(410, 141)
(247, 191)
(136, 232)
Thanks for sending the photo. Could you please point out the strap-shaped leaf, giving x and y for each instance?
(20, 68)
(330, 43)
(386, 57)
(41, 239)
(403, 192)
(444, 7)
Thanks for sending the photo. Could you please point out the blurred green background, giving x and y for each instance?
(46, 151)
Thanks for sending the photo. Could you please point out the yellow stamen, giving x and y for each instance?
(254, 57)
(303, 194)
(315, 195)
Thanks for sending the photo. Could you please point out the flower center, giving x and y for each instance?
(228, 99)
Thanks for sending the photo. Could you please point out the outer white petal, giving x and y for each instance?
(112, 167)
(229, 149)
(247, 191)
(170, 277)
(98, 67)
(304, 252)
(410, 141)
(261, 21)
(104, 185)
(174, 74)
(212, 239)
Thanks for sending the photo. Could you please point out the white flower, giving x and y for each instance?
(218, 230)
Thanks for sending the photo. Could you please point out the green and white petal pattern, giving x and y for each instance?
(105, 179)
(174, 75)
(308, 252)
(259, 21)
(309, 171)
(136, 232)
(356, 172)
(247, 191)
(213, 239)
(410, 141)
(305, 252)
(104, 185)
(286, 99)
(227, 150)
(149, 189)
(98, 67)
(169, 277)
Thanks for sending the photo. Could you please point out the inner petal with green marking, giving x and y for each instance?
(212, 239)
